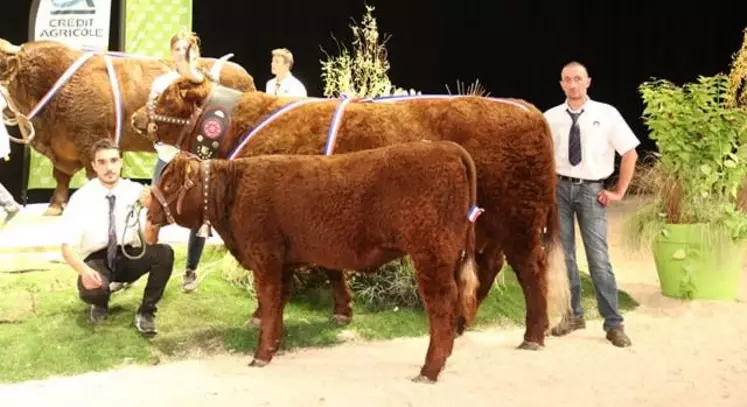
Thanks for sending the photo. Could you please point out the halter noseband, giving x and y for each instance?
(181, 193)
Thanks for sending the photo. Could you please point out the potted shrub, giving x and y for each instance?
(694, 223)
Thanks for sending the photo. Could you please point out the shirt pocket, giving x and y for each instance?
(597, 134)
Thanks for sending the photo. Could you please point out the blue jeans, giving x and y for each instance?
(196, 244)
(581, 200)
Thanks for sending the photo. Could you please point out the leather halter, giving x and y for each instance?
(179, 196)
(210, 121)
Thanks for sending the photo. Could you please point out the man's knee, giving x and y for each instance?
(163, 254)
(97, 296)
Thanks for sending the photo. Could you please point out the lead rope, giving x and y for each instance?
(134, 212)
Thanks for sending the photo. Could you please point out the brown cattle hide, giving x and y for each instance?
(509, 140)
(83, 110)
(350, 211)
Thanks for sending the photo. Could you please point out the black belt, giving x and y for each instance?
(580, 180)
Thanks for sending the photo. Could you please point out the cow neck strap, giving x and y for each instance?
(214, 121)
(204, 230)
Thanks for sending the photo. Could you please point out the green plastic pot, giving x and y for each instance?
(692, 267)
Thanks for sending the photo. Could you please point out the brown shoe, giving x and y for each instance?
(618, 338)
(567, 325)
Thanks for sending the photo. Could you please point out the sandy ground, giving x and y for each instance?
(683, 354)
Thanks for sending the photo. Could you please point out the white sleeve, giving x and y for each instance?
(72, 221)
(134, 189)
(301, 90)
(622, 137)
(267, 86)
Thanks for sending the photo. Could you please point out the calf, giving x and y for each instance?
(354, 211)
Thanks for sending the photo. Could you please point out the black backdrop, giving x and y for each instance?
(516, 49)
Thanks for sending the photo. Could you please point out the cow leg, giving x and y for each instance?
(489, 264)
(438, 290)
(526, 257)
(61, 193)
(343, 311)
(272, 294)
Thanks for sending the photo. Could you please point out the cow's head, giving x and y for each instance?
(9, 61)
(170, 116)
(178, 195)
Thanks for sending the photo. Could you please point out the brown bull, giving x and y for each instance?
(83, 110)
(349, 211)
(509, 140)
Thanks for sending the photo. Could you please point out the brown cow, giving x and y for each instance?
(83, 110)
(350, 211)
(509, 140)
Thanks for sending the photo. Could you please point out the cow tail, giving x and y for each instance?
(466, 276)
(558, 285)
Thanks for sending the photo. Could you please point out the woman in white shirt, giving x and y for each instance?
(178, 44)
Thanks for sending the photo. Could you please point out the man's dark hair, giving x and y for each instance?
(104, 144)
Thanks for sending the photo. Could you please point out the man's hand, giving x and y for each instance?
(606, 197)
(145, 197)
(90, 278)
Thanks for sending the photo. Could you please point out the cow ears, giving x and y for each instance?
(12, 63)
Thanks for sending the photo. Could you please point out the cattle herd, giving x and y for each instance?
(456, 182)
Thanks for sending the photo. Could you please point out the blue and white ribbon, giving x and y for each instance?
(117, 98)
(474, 212)
(335, 126)
(248, 136)
(60, 81)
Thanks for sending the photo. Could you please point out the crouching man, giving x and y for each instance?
(94, 221)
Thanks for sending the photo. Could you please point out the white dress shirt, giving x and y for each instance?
(4, 136)
(603, 132)
(86, 216)
(165, 151)
(289, 86)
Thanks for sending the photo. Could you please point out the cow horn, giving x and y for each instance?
(193, 75)
(9, 48)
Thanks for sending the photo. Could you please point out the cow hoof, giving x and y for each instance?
(422, 379)
(258, 363)
(341, 319)
(53, 211)
(530, 346)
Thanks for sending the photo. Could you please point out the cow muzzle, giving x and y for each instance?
(139, 122)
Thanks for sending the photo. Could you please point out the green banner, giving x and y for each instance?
(149, 24)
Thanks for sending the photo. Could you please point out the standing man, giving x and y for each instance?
(284, 83)
(7, 202)
(93, 240)
(586, 134)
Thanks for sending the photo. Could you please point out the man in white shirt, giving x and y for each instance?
(284, 83)
(93, 240)
(587, 134)
(11, 207)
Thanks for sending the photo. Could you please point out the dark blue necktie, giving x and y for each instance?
(574, 139)
(111, 247)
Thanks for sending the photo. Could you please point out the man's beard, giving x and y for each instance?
(105, 179)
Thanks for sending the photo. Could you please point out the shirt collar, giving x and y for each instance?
(104, 189)
(583, 107)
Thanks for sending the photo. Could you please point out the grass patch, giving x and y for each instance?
(44, 329)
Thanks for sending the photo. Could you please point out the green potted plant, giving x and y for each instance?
(694, 223)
